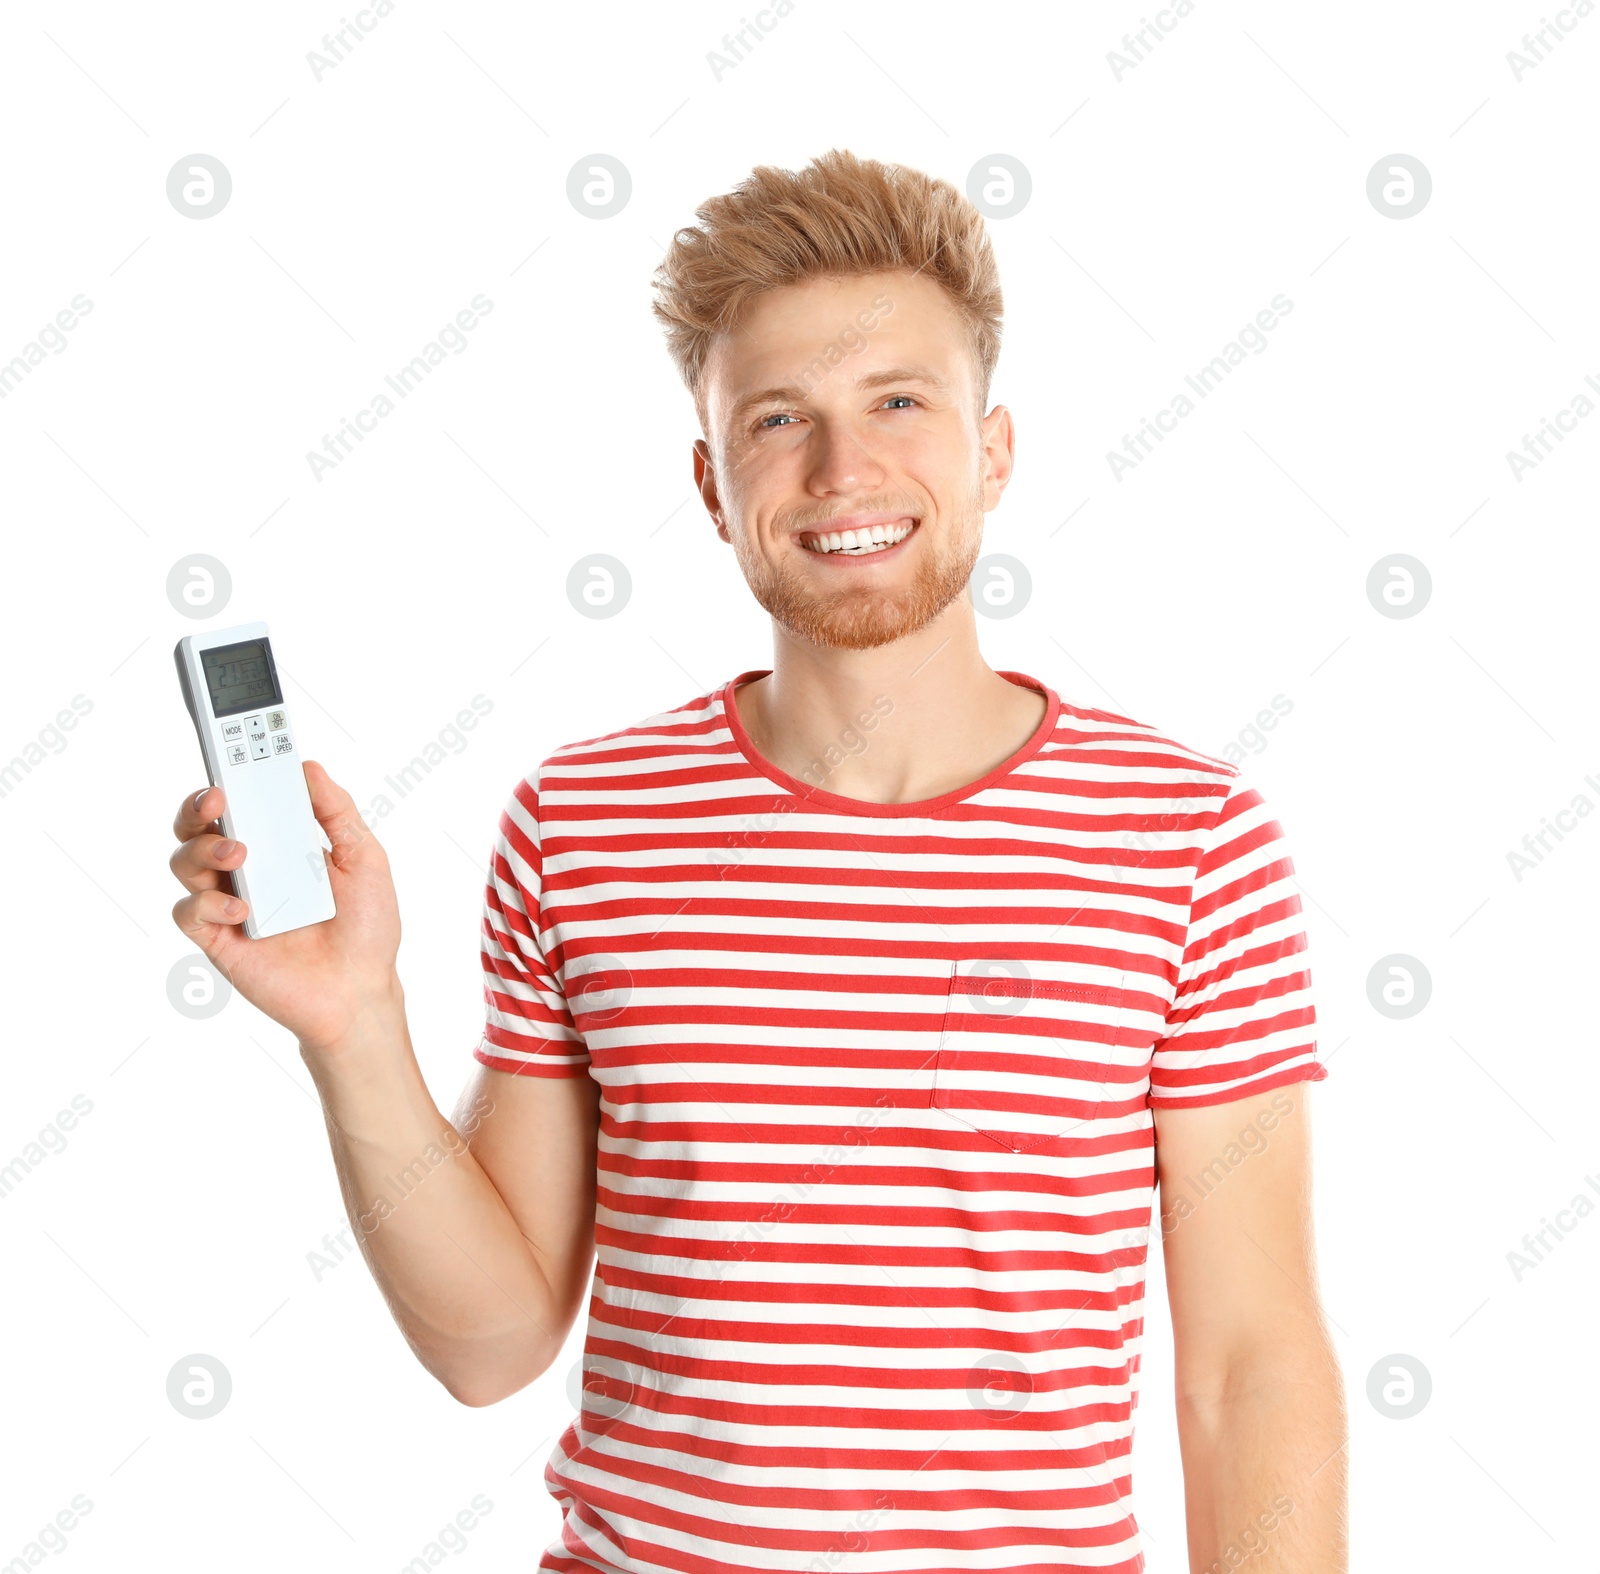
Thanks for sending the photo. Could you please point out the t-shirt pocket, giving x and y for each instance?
(1029, 1051)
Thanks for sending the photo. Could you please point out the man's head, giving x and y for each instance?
(838, 329)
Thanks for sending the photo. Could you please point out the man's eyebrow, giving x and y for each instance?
(791, 393)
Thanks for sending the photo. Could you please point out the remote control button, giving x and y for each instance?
(253, 724)
(237, 754)
(258, 747)
(275, 721)
(232, 731)
(280, 742)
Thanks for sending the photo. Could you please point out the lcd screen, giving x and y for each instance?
(240, 677)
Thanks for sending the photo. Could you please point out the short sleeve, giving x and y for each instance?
(527, 1028)
(1242, 1020)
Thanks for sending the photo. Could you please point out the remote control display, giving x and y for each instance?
(241, 677)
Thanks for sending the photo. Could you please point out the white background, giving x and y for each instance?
(1167, 208)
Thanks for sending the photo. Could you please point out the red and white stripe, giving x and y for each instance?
(876, 1149)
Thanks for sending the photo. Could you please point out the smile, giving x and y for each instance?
(859, 543)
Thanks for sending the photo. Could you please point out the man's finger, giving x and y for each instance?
(200, 862)
(198, 812)
(207, 915)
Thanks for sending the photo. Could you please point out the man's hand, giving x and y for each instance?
(1261, 1420)
(321, 981)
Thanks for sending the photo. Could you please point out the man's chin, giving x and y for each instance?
(833, 636)
(859, 623)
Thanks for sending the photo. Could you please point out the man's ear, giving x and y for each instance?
(1000, 452)
(705, 480)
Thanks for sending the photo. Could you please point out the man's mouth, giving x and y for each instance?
(861, 542)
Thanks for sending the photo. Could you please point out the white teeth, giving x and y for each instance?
(858, 543)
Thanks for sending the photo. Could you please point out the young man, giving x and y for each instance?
(853, 1010)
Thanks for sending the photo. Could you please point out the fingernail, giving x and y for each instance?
(198, 796)
(225, 848)
(232, 907)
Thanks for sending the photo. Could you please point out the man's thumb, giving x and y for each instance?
(336, 813)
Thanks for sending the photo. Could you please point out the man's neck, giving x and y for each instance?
(937, 717)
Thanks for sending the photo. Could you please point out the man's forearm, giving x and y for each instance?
(1264, 1467)
(457, 1273)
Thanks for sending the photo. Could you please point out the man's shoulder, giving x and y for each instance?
(692, 725)
(1137, 746)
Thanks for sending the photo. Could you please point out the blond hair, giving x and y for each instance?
(838, 217)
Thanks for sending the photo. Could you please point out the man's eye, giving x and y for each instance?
(764, 422)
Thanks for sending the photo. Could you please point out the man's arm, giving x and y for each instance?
(1261, 1420)
(479, 1231)
(480, 1234)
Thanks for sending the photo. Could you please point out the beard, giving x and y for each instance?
(860, 616)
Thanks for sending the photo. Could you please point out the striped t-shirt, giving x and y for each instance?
(876, 1154)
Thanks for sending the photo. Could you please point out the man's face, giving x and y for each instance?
(850, 404)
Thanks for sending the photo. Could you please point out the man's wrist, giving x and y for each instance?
(371, 1086)
(375, 1031)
